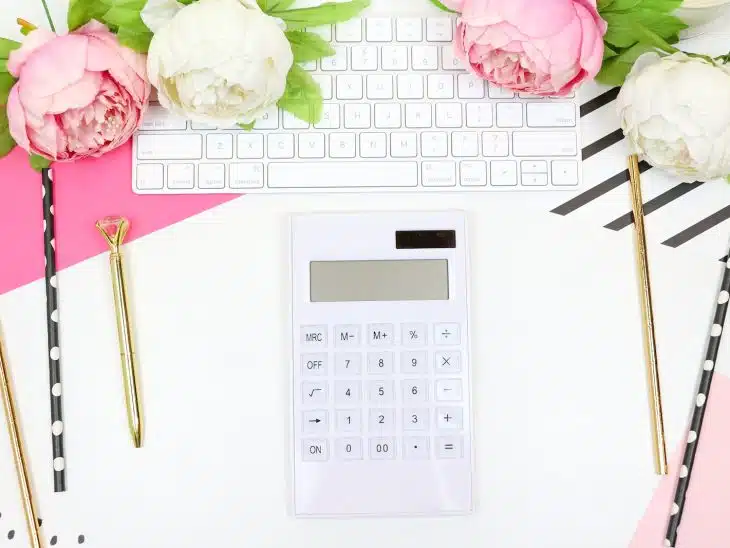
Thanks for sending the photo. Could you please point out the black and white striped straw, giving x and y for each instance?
(698, 413)
(54, 346)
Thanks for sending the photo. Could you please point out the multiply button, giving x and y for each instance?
(414, 334)
(380, 334)
(347, 335)
(448, 362)
(314, 335)
(446, 333)
(314, 364)
(315, 450)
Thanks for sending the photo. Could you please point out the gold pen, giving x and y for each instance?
(21, 461)
(114, 229)
(652, 367)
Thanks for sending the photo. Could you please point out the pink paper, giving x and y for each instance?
(84, 192)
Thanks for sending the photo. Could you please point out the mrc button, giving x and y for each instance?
(314, 335)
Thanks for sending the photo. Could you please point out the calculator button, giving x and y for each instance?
(446, 333)
(414, 334)
(314, 336)
(349, 420)
(349, 448)
(347, 335)
(449, 390)
(315, 450)
(315, 422)
(348, 364)
(414, 362)
(415, 390)
(416, 448)
(449, 418)
(314, 364)
(314, 393)
(380, 391)
(448, 362)
(380, 363)
(382, 448)
(347, 392)
(415, 419)
(380, 334)
(381, 421)
(449, 447)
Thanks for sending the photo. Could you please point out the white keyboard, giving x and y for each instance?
(400, 114)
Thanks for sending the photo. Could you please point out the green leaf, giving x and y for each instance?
(620, 5)
(440, 6)
(39, 163)
(622, 27)
(604, 5)
(6, 83)
(7, 143)
(303, 96)
(81, 12)
(6, 46)
(137, 40)
(615, 70)
(270, 5)
(608, 52)
(123, 17)
(661, 6)
(328, 13)
(647, 36)
(247, 127)
(307, 46)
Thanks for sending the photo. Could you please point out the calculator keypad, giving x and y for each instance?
(382, 391)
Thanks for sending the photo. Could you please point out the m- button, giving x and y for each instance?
(380, 334)
(314, 336)
(347, 335)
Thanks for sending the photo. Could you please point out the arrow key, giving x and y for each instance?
(315, 422)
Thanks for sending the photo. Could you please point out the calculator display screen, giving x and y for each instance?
(383, 280)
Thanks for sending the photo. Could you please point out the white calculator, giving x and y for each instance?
(381, 422)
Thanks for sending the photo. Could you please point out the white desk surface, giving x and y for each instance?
(563, 452)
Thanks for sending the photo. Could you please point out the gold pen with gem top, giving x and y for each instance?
(21, 461)
(114, 229)
(652, 367)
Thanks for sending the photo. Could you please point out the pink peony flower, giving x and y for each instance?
(78, 95)
(540, 47)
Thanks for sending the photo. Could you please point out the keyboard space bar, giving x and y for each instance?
(343, 175)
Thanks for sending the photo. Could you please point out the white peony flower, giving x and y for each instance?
(217, 62)
(675, 113)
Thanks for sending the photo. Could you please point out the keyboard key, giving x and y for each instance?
(329, 174)
(349, 31)
(177, 146)
(394, 58)
(416, 448)
(337, 61)
(495, 143)
(496, 92)
(539, 143)
(289, 121)
(473, 173)
(534, 179)
(150, 177)
(158, 118)
(387, 116)
(202, 127)
(270, 119)
(324, 32)
(548, 114)
(414, 334)
(424, 57)
(314, 364)
(311, 145)
(325, 85)
(330, 118)
(382, 448)
(349, 448)
(181, 176)
(250, 145)
(471, 87)
(315, 450)
(381, 391)
(439, 29)
(379, 29)
(446, 334)
(440, 86)
(381, 421)
(415, 390)
(357, 116)
(419, 115)
(479, 115)
(315, 422)
(364, 58)
(438, 174)
(449, 418)
(409, 29)
(509, 115)
(448, 362)
(348, 364)
(404, 145)
(465, 144)
(449, 447)
(434, 144)
(219, 146)
(314, 393)
(565, 173)
(313, 336)
(448, 115)
(449, 61)
(342, 145)
(280, 145)
(347, 392)
(410, 86)
(534, 166)
(380, 363)
(449, 390)
(415, 362)
(349, 420)
(212, 176)
(415, 419)
(373, 145)
(248, 175)
(380, 86)
(503, 173)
